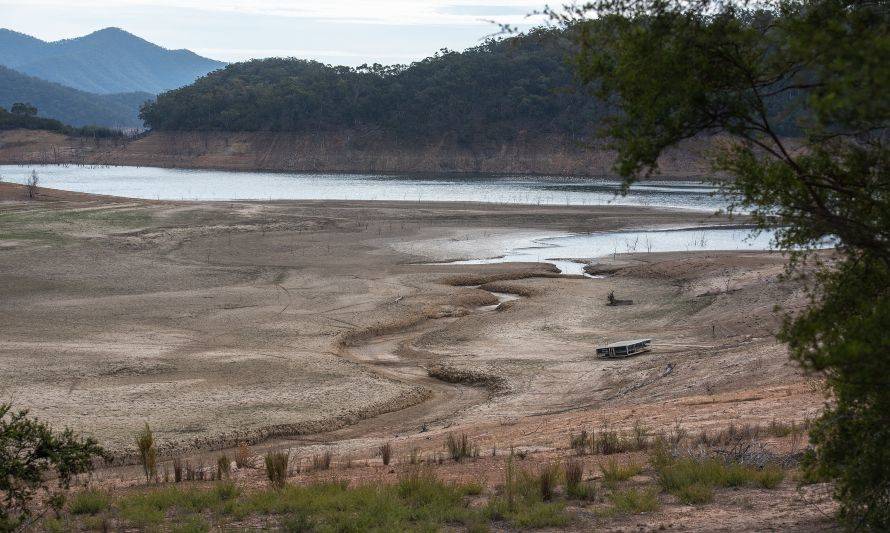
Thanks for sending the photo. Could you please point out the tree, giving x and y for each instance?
(29, 452)
(677, 70)
(32, 184)
(22, 109)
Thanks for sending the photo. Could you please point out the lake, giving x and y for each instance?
(179, 184)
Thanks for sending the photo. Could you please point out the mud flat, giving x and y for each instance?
(323, 325)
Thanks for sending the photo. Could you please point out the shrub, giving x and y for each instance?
(613, 472)
(276, 468)
(223, 467)
(677, 475)
(695, 493)
(633, 501)
(582, 443)
(177, 470)
(574, 473)
(148, 454)
(89, 502)
(226, 491)
(460, 447)
(243, 456)
(548, 478)
(323, 461)
(386, 452)
(30, 452)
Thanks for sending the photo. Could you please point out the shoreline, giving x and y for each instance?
(343, 152)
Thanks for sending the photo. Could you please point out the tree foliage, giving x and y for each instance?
(29, 452)
(677, 70)
(502, 89)
(29, 121)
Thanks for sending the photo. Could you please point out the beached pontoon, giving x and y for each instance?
(624, 348)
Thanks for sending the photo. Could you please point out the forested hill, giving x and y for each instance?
(500, 90)
(104, 62)
(77, 108)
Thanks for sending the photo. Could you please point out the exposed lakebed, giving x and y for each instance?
(564, 251)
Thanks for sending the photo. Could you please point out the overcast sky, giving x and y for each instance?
(346, 32)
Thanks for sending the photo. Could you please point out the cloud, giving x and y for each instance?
(391, 12)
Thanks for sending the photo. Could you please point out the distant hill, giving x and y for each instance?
(499, 91)
(70, 106)
(104, 62)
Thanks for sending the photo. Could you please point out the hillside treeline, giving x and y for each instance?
(498, 90)
(24, 116)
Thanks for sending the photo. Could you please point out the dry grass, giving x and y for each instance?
(386, 452)
(243, 456)
(276, 468)
(223, 467)
(323, 461)
(614, 472)
(608, 441)
(460, 447)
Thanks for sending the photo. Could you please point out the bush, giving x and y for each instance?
(177, 470)
(276, 468)
(613, 472)
(30, 453)
(695, 493)
(223, 467)
(242, 456)
(386, 453)
(148, 454)
(574, 473)
(687, 477)
(89, 502)
(633, 501)
(460, 447)
(323, 461)
(548, 478)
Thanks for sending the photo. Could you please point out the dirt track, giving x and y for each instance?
(316, 325)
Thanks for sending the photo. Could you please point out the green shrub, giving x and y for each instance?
(677, 475)
(695, 493)
(276, 468)
(90, 501)
(548, 478)
(613, 472)
(31, 453)
(148, 453)
(634, 501)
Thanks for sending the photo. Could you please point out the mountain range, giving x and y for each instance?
(98, 79)
(71, 106)
(104, 62)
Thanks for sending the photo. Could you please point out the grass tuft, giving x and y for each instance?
(386, 452)
(634, 501)
(460, 447)
(276, 468)
(89, 502)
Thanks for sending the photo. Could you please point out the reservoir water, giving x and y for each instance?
(563, 251)
(180, 184)
(567, 252)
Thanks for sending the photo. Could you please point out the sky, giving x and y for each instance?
(342, 32)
